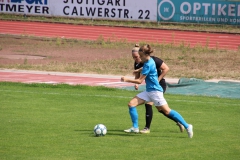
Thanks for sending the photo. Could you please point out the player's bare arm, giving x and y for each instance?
(136, 81)
(137, 76)
(164, 69)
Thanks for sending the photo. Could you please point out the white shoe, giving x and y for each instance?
(190, 131)
(181, 127)
(145, 130)
(132, 130)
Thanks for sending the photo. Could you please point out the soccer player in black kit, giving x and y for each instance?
(162, 69)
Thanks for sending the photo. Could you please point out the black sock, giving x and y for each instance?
(167, 116)
(149, 115)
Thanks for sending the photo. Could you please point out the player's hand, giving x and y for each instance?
(136, 86)
(122, 79)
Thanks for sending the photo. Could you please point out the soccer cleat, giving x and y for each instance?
(190, 131)
(132, 130)
(181, 127)
(145, 130)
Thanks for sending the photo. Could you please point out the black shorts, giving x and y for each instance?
(163, 85)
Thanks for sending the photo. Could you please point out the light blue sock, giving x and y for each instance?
(134, 116)
(177, 117)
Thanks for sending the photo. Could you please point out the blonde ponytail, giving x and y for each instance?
(135, 48)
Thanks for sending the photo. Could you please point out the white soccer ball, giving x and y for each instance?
(100, 130)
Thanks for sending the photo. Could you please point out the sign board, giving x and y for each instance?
(136, 10)
(199, 11)
(183, 11)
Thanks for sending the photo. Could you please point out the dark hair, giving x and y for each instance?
(146, 49)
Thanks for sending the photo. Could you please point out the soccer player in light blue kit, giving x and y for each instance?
(153, 93)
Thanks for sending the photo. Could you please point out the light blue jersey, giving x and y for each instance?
(150, 71)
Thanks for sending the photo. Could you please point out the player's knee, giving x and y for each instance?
(131, 104)
(163, 111)
(148, 104)
(166, 112)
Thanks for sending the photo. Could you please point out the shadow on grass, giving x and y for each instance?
(120, 133)
(109, 132)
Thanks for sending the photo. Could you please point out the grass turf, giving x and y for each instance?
(41, 121)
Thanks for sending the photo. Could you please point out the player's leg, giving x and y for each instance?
(181, 127)
(148, 117)
(161, 104)
(133, 114)
(164, 86)
(173, 114)
(177, 117)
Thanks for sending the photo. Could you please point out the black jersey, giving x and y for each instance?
(157, 61)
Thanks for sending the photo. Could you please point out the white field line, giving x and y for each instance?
(112, 83)
(109, 96)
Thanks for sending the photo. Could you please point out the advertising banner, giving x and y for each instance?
(199, 11)
(183, 11)
(138, 10)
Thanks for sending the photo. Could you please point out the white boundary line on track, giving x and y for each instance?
(108, 96)
(51, 73)
(109, 83)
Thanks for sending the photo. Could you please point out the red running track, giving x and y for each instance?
(58, 78)
(213, 40)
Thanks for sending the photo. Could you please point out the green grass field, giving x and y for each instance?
(40, 121)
